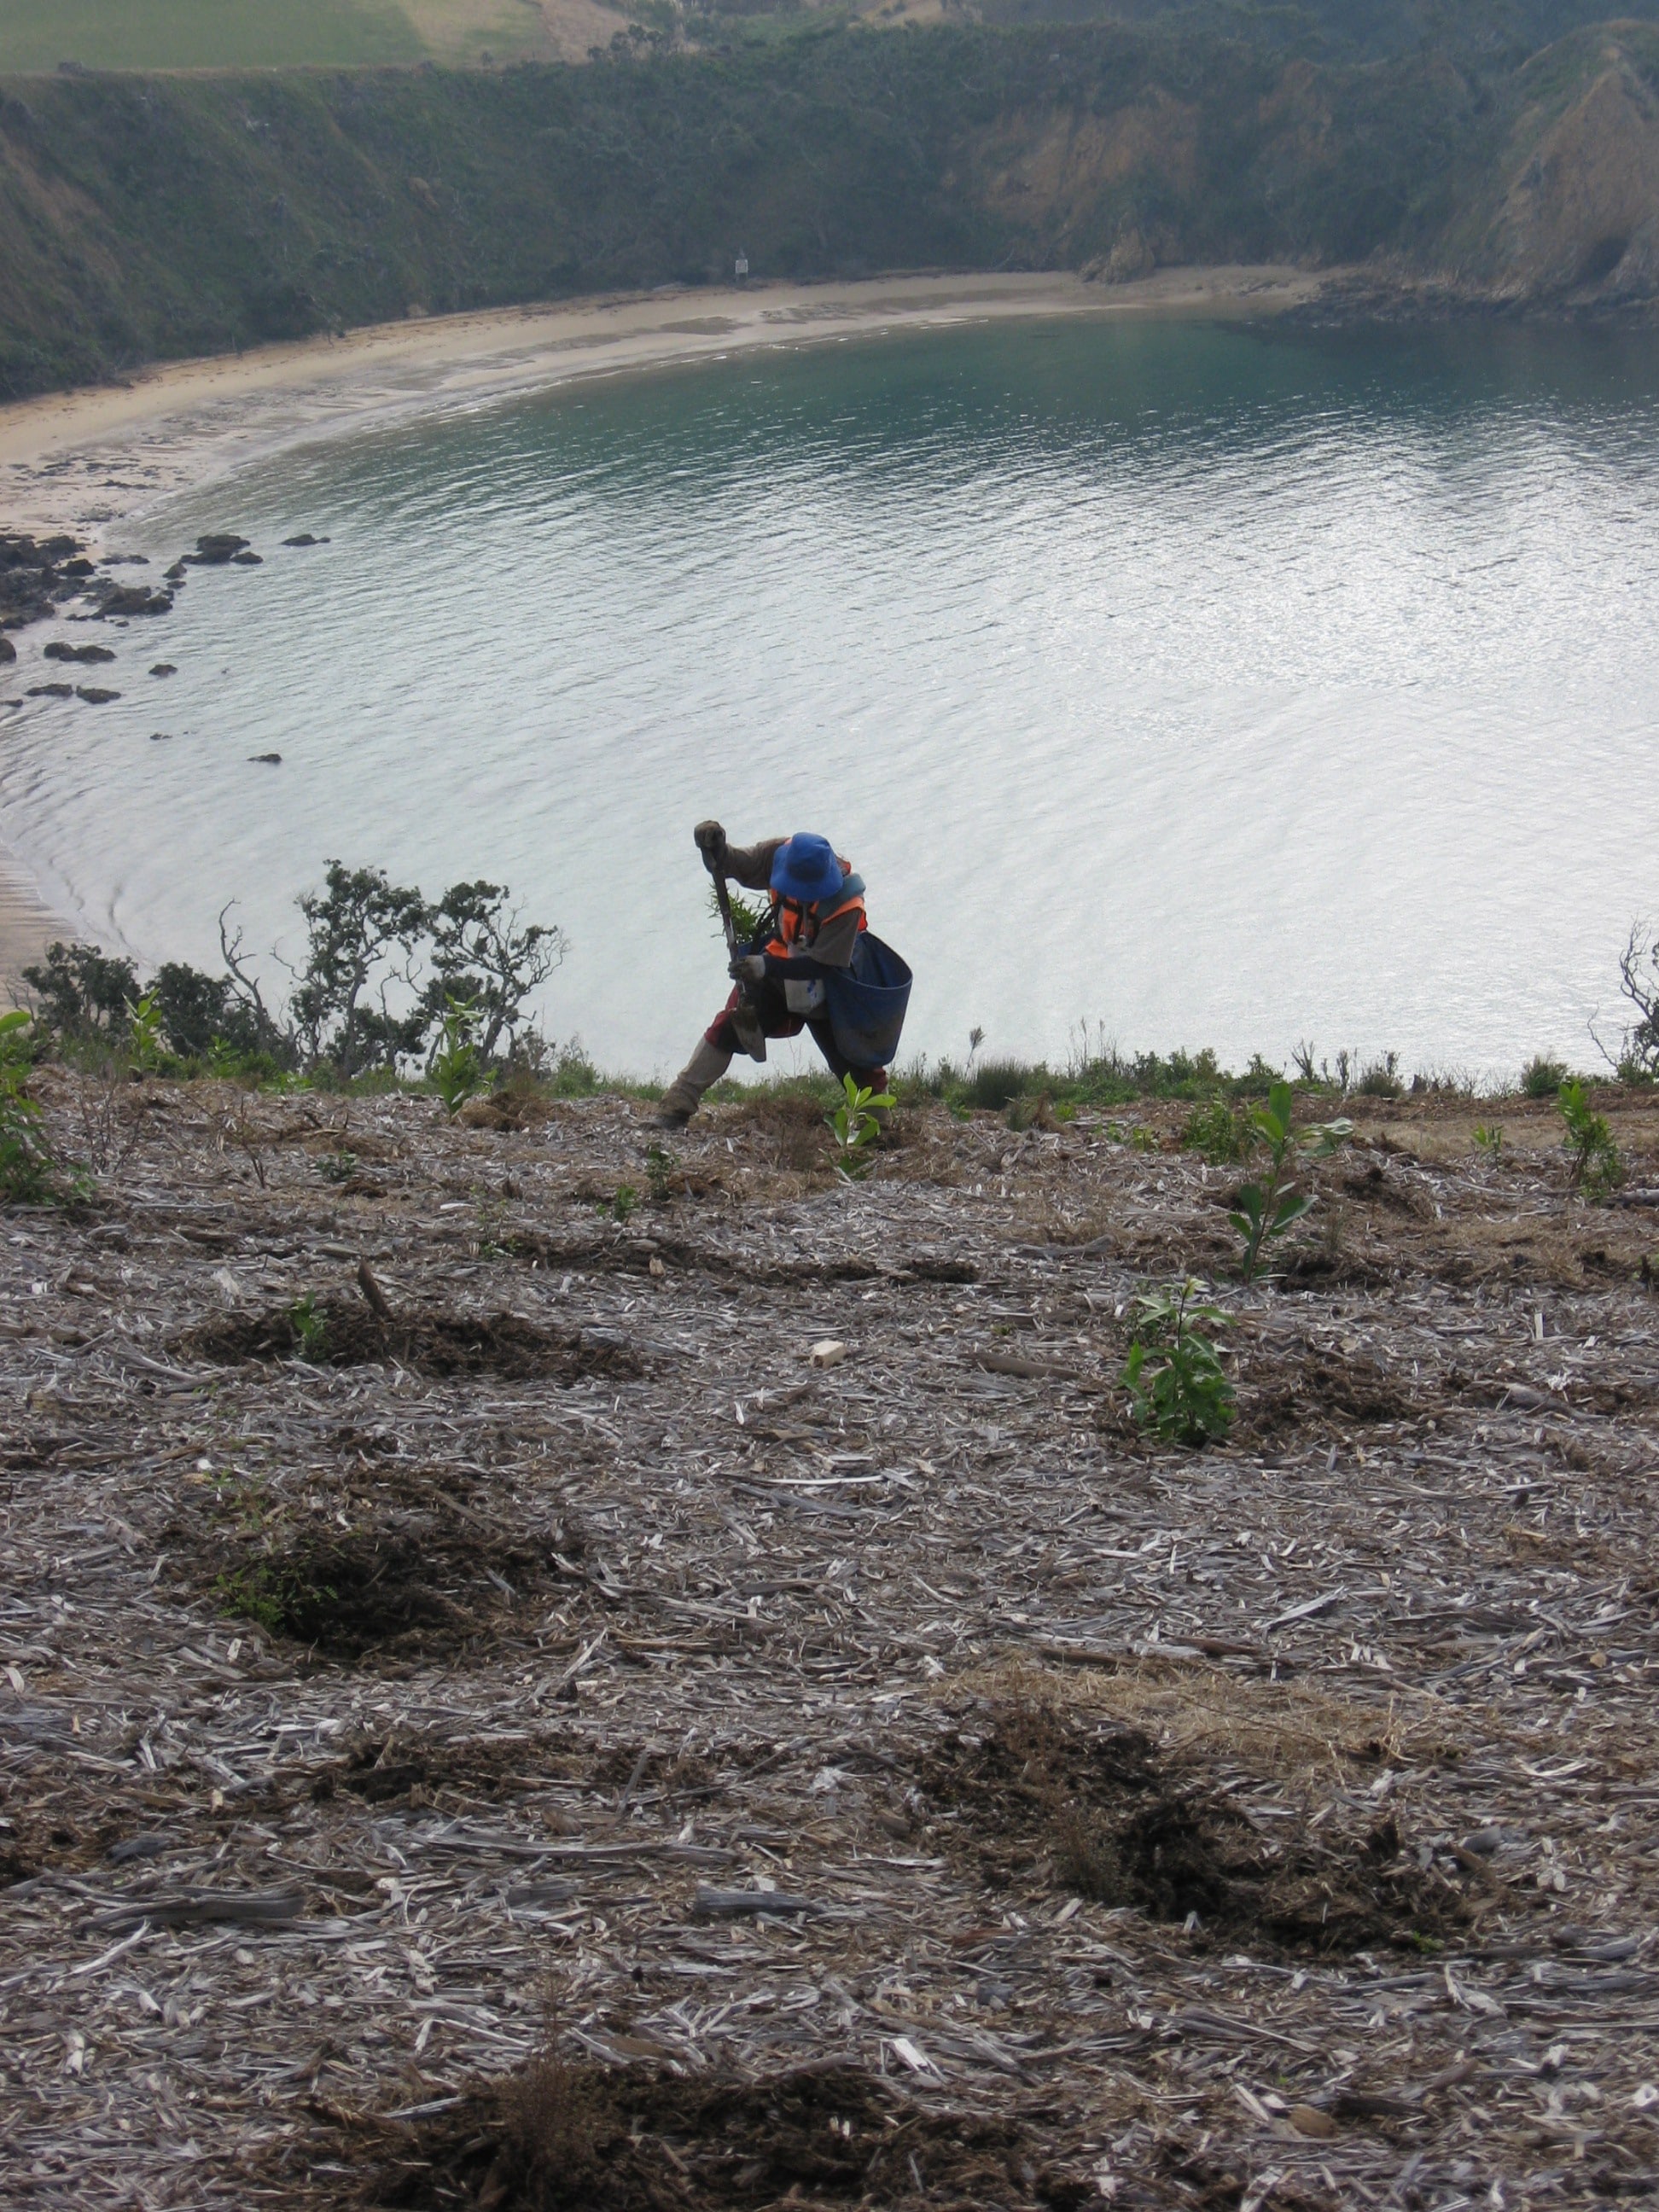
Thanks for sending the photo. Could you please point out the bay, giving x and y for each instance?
(1194, 684)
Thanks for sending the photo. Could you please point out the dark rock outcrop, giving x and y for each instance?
(60, 650)
(164, 668)
(214, 551)
(304, 538)
(36, 575)
(135, 600)
(51, 691)
(95, 695)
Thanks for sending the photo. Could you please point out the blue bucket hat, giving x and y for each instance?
(805, 868)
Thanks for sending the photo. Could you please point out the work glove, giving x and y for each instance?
(711, 843)
(748, 968)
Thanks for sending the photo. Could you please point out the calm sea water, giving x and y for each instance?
(1201, 686)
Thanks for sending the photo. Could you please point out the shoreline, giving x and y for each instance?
(185, 423)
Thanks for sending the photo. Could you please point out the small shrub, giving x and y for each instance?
(249, 1594)
(994, 1084)
(27, 1165)
(658, 1174)
(1596, 1167)
(573, 1074)
(1542, 1079)
(1174, 1376)
(1489, 1139)
(1222, 1133)
(1381, 1078)
(338, 1167)
(857, 1122)
(204, 1017)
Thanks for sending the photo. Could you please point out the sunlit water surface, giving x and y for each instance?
(1201, 686)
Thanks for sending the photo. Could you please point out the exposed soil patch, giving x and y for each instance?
(417, 1569)
(1322, 1391)
(350, 1593)
(434, 1340)
(596, 2138)
(1120, 1828)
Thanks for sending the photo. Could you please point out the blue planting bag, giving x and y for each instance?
(867, 1002)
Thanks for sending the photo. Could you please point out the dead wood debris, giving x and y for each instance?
(542, 1741)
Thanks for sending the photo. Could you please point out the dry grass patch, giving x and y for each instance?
(1191, 1711)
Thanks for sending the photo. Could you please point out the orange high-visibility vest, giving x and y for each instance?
(794, 924)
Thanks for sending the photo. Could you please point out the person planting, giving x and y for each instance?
(810, 947)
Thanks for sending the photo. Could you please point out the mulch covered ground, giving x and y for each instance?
(485, 1722)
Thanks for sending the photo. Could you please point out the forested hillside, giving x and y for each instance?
(142, 217)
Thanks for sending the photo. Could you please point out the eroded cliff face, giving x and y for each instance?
(1107, 193)
(1554, 201)
(1580, 217)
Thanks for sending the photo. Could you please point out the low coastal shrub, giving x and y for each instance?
(27, 1167)
(1222, 1133)
(1541, 1078)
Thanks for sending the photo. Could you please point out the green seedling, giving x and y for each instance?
(658, 1174)
(310, 1328)
(1176, 1383)
(1596, 1167)
(1274, 1203)
(338, 1167)
(456, 1069)
(622, 1204)
(1489, 1137)
(857, 1123)
(145, 1046)
(749, 918)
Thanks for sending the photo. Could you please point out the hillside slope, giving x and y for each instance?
(150, 217)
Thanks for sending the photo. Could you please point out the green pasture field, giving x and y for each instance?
(214, 34)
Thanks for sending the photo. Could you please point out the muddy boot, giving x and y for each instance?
(684, 1094)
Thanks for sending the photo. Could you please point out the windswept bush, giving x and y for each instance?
(384, 972)
(81, 991)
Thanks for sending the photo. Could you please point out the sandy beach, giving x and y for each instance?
(87, 462)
